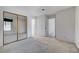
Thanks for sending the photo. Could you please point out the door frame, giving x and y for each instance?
(55, 25)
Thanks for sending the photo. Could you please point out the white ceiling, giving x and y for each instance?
(36, 10)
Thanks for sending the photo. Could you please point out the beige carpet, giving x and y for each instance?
(39, 45)
(58, 46)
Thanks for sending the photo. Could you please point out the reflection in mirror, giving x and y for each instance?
(10, 27)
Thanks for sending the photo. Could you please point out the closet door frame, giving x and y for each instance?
(17, 27)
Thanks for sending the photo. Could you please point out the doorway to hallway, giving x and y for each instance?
(51, 27)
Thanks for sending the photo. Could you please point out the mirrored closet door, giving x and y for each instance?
(10, 27)
(22, 27)
(15, 27)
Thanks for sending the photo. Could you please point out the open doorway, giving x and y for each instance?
(51, 27)
(33, 27)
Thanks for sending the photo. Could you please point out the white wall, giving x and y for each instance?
(65, 25)
(77, 27)
(40, 26)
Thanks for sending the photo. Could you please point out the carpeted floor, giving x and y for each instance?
(39, 45)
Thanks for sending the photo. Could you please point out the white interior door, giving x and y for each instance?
(51, 27)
